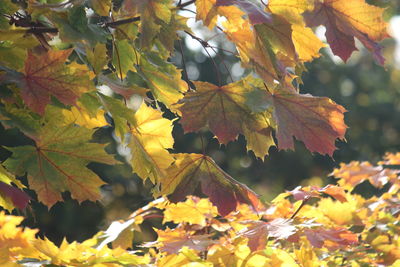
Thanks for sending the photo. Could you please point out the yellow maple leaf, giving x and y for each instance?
(193, 211)
(78, 115)
(151, 137)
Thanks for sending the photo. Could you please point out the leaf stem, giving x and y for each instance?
(300, 207)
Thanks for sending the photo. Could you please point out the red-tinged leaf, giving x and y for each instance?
(305, 193)
(18, 197)
(223, 110)
(300, 194)
(331, 238)
(317, 121)
(334, 191)
(258, 232)
(191, 171)
(356, 172)
(256, 13)
(57, 163)
(346, 19)
(47, 75)
(172, 240)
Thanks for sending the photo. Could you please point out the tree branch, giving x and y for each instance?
(113, 24)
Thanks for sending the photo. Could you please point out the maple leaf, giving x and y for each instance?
(47, 75)
(150, 12)
(317, 121)
(172, 240)
(191, 170)
(331, 238)
(57, 163)
(356, 172)
(151, 136)
(208, 11)
(258, 232)
(292, 10)
(193, 211)
(223, 110)
(124, 57)
(11, 196)
(346, 19)
(163, 79)
(15, 241)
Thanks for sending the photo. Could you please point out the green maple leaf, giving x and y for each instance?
(57, 163)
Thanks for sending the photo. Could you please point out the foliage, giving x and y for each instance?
(307, 226)
(55, 58)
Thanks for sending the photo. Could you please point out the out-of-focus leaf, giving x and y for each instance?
(331, 238)
(356, 172)
(258, 232)
(193, 211)
(172, 240)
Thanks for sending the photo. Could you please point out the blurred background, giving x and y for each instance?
(369, 92)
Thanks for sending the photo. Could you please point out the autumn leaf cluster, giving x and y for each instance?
(308, 226)
(56, 57)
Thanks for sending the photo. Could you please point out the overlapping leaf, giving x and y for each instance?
(151, 136)
(57, 163)
(193, 211)
(356, 172)
(150, 12)
(191, 171)
(317, 121)
(163, 79)
(47, 75)
(11, 196)
(345, 20)
(223, 110)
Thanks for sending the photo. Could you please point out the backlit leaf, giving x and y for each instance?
(223, 110)
(317, 121)
(172, 240)
(258, 232)
(191, 171)
(11, 196)
(47, 75)
(193, 211)
(151, 136)
(331, 238)
(256, 13)
(346, 19)
(356, 172)
(163, 79)
(57, 163)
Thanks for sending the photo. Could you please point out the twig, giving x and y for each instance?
(300, 207)
(185, 74)
(204, 44)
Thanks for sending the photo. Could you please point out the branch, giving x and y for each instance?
(113, 24)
